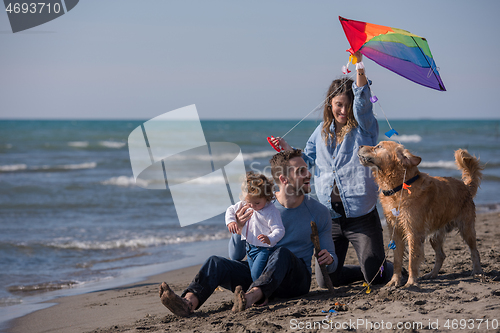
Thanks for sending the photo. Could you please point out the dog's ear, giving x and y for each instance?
(408, 159)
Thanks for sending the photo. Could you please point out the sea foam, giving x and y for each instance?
(138, 242)
(13, 167)
(62, 167)
(407, 138)
(439, 165)
(125, 181)
(112, 144)
(78, 144)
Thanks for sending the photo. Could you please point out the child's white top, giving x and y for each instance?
(266, 221)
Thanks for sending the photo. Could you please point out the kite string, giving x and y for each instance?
(380, 105)
(385, 116)
(388, 123)
(297, 124)
(319, 105)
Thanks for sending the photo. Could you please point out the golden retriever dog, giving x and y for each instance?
(424, 205)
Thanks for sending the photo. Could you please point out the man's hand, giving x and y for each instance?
(324, 258)
(242, 215)
(277, 141)
(264, 239)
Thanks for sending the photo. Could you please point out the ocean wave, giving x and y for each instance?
(203, 180)
(96, 145)
(140, 242)
(45, 287)
(42, 287)
(125, 181)
(89, 264)
(259, 154)
(488, 208)
(9, 301)
(78, 144)
(89, 165)
(13, 167)
(112, 144)
(223, 157)
(439, 165)
(62, 167)
(47, 168)
(407, 138)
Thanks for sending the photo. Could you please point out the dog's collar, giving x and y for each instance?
(398, 188)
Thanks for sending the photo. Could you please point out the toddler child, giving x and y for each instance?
(264, 228)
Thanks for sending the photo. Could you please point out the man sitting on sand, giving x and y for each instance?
(288, 270)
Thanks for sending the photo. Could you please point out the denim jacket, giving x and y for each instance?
(340, 164)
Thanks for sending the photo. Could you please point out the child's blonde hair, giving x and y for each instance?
(258, 186)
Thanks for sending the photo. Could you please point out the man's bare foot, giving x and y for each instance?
(178, 305)
(240, 301)
(264, 302)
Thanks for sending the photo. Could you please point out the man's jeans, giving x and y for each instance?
(219, 271)
(236, 247)
(365, 234)
(284, 276)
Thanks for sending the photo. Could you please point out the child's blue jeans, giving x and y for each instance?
(257, 259)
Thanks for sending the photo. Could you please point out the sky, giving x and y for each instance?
(233, 59)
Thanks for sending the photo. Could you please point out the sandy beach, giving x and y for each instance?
(453, 301)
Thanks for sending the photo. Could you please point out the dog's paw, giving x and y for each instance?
(395, 282)
(411, 283)
(413, 287)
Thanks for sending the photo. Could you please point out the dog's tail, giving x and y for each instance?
(471, 170)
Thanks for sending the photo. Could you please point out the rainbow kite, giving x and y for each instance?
(398, 50)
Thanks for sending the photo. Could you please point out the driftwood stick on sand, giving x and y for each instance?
(317, 248)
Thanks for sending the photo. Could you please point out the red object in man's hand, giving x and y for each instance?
(277, 148)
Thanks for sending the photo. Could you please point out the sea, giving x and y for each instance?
(73, 219)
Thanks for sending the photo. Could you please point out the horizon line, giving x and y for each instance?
(240, 119)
